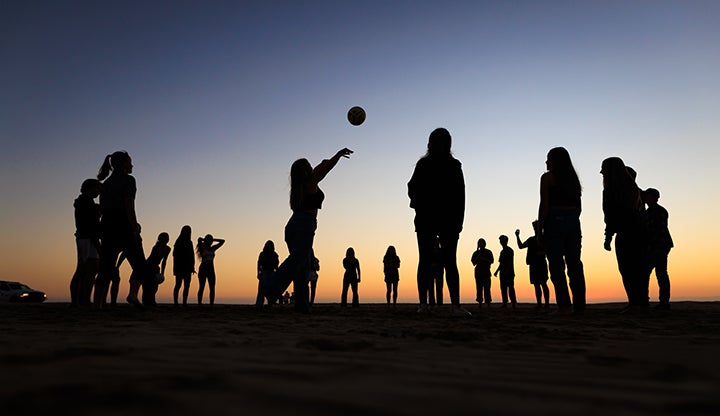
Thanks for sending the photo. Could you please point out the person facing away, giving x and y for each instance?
(351, 278)
(267, 264)
(482, 259)
(206, 248)
(183, 264)
(313, 276)
(157, 261)
(119, 228)
(437, 194)
(506, 269)
(306, 199)
(624, 217)
(391, 269)
(660, 242)
(87, 242)
(535, 259)
(560, 233)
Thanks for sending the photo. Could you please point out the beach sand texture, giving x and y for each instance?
(369, 360)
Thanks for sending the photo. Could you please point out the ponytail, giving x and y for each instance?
(105, 169)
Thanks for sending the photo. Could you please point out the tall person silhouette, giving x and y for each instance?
(391, 269)
(437, 194)
(119, 228)
(535, 259)
(351, 278)
(87, 241)
(183, 264)
(660, 243)
(206, 248)
(506, 269)
(306, 199)
(559, 225)
(482, 258)
(267, 264)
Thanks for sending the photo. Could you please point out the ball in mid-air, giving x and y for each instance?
(356, 116)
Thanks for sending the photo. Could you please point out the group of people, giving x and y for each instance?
(108, 233)
(437, 194)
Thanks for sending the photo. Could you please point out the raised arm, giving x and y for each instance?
(324, 167)
(517, 237)
(219, 244)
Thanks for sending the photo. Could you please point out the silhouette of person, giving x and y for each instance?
(391, 269)
(506, 269)
(482, 258)
(351, 278)
(267, 264)
(183, 264)
(561, 236)
(306, 199)
(206, 248)
(437, 193)
(660, 243)
(535, 259)
(87, 242)
(435, 288)
(624, 214)
(157, 261)
(313, 276)
(119, 228)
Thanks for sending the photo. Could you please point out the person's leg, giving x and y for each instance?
(387, 292)
(111, 249)
(538, 294)
(186, 288)
(313, 288)
(546, 293)
(75, 282)
(487, 282)
(660, 261)
(478, 289)
(201, 280)
(299, 235)
(176, 289)
(554, 239)
(89, 273)
(211, 286)
(504, 291)
(355, 297)
(141, 274)
(576, 274)
(426, 242)
(511, 291)
(260, 298)
(343, 294)
(394, 291)
(448, 249)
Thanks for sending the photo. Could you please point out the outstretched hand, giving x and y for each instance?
(345, 152)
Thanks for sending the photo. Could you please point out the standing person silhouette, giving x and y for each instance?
(306, 199)
(313, 276)
(183, 264)
(87, 241)
(157, 261)
(482, 259)
(559, 222)
(119, 228)
(267, 264)
(535, 259)
(660, 243)
(437, 193)
(391, 269)
(506, 269)
(623, 209)
(351, 278)
(206, 272)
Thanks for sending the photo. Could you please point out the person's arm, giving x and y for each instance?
(324, 167)
(357, 265)
(121, 259)
(219, 244)
(164, 261)
(517, 237)
(545, 183)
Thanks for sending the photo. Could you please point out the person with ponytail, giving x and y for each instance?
(306, 199)
(119, 228)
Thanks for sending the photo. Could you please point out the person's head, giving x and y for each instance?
(350, 252)
(186, 232)
(269, 246)
(163, 238)
(651, 196)
(119, 161)
(559, 163)
(91, 187)
(481, 243)
(300, 172)
(439, 142)
(503, 240)
(390, 251)
(614, 171)
(536, 226)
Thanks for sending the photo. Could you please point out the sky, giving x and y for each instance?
(215, 100)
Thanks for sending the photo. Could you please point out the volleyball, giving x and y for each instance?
(356, 116)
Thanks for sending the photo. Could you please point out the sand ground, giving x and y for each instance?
(369, 360)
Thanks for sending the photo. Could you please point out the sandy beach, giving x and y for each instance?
(369, 360)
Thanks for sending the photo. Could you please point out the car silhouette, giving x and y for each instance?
(20, 293)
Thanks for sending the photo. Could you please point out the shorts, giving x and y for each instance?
(86, 250)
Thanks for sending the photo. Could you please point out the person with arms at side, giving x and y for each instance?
(391, 269)
(560, 233)
(437, 194)
(267, 264)
(206, 248)
(535, 259)
(624, 214)
(351, 278)
(482, 259)
(87, 241)
(660, 243)
(306, 199)
(119, 228)
(506, 269)
(183, 264)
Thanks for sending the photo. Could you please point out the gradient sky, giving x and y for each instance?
(215, 100)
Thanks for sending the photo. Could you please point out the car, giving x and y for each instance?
(17, 292)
